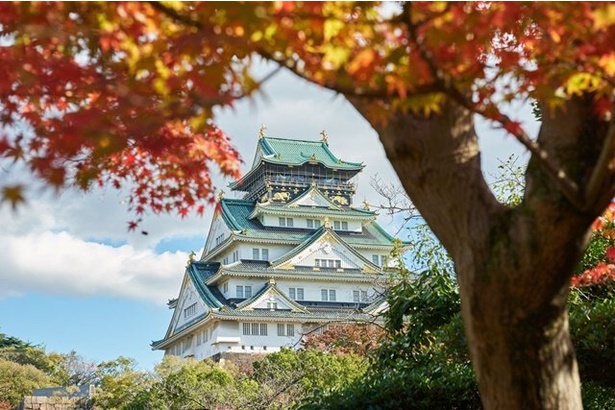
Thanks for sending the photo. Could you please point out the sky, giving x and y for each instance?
(73, 278)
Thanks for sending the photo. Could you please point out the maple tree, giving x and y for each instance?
(344, 339)
(123, 93)
(598, 264)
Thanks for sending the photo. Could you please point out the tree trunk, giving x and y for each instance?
(513, 265)
(518, 334)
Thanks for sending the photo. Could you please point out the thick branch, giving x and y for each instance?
(602, 173)
(438, 162)
(444, 83)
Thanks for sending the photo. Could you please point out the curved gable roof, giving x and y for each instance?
(298, 152)
(319, 233)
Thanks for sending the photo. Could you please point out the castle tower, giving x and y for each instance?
(292, 256)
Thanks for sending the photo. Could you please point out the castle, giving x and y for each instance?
(291, 257)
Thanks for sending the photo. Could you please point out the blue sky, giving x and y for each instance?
(73, 278)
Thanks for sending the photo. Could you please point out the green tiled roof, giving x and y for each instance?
(342, 316)
(297, 152)
(350, 213)
(248, 270)
(197, 277)
(236, 213)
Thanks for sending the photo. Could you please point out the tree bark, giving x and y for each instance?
(513, 265)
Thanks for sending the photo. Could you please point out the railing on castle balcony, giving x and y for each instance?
(302, 181)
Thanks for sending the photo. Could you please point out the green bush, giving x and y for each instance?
(422, 362)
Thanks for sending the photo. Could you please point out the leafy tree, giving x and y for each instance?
(288, 376)
(18, 351)
(121, 384)
(189, 384)
(340, 340)
(124, 93)
(18, 380)
(423, 360)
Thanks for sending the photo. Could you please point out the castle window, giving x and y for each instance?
(313, 223)
(247, 290)
(239, 291)
(225, 287)
(190, 310)
(336, 225)
(344, 226)
(260, 254)
(359, 296)
(286, 330)
(295, 293)
(327, 295)
(328, 263)
(255, 329)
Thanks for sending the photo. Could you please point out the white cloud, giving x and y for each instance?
(60, 263)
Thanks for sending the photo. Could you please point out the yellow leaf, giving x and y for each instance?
(334, 56)
(607, 62)
(160, 85)
(332, 28)
(580, 83)
(604, 16)
(364, 59)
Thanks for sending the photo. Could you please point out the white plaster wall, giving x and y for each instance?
(272, 340)
(257, 284)
(335, 251)
(218, 227)
(311, 289)
(343, 291)
(189, 296)
(275, 251)
(228, 337)
(301, 222)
